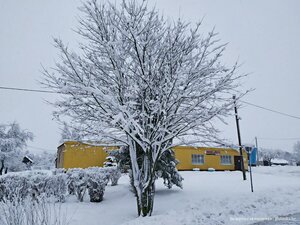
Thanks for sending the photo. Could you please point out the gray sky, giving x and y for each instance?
(263, 35)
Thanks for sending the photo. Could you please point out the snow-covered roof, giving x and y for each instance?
(281, 161)
(29, 158)
(97, 143)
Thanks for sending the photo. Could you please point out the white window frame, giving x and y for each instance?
(197, 159)
(227, 159)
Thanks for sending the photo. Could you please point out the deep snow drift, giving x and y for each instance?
(207, 198)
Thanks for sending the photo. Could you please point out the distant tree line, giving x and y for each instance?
(268, 155)
(13, 144)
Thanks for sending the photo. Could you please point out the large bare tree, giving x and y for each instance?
(144, 81)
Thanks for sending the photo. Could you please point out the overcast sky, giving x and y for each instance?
(263, 35)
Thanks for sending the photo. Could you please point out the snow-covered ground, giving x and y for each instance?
(208, 198)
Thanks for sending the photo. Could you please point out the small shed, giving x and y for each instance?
(279, 162)
(27, 160)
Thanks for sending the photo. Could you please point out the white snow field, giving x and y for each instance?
(208, 198)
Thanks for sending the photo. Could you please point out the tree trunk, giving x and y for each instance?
(148, 183)
(143, 179)
(145, 200)
(2, 167)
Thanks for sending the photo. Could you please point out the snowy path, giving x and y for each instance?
(209, 198)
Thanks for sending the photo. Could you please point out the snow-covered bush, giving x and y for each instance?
(38, 185)
(110, 162)
(70, 183)
(96, 185)
(77, 182)
(14, 187)
(122, 158)
(114, 175)
(47, 185)
(95, 170)
(56, 186)
(166, 169)
(33, 185)
(59, 171)
(93, 179)
(28, 212)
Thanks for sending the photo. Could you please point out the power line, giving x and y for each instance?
(278, 139)
(38, 148)
(271, 110)
(53, 92)
(26, 89)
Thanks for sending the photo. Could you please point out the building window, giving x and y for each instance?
(197, 159)
(226, 160)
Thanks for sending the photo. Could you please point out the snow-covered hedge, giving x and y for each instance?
(93, 179)
(33, 185)
(96, 185)
(28, 212)
(77, 182)
(114, 175)
(14, 187)
(57, 185)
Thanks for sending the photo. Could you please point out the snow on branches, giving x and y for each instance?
(12, 141)
(143, 81)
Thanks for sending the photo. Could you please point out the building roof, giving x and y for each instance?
(279, 161)
(27, 159)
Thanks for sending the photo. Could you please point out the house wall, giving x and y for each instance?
(80, 155)
(60, 156)
(184, 155)
(73, 154)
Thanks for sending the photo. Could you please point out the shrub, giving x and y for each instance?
(96, 186)
(77, 182)
(59, 171)
(36, 185)
(32, 185)
(14, 187)
(28, 212)
(56, 186)
(114, 175)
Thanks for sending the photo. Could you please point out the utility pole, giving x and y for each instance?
(250, 170)
(239, 138)
(257, 156)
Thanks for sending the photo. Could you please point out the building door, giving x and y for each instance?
(237, 162)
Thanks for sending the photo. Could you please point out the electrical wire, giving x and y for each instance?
(53, 92)
(278, 139)
(38, 148)
(26, 89)
(271, 110)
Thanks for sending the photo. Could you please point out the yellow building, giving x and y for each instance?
(207, 157)
(72, 154)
